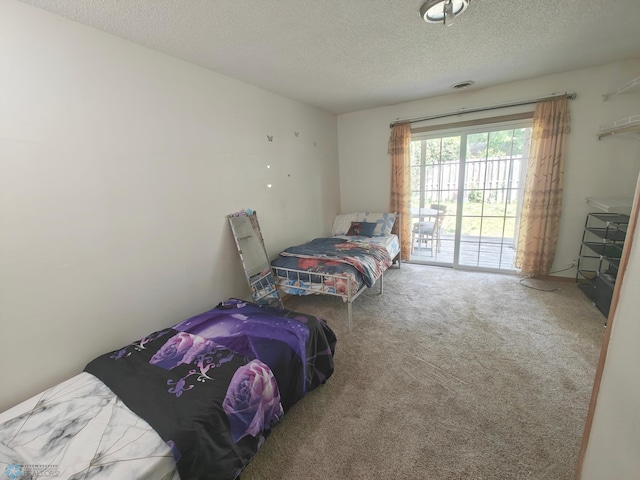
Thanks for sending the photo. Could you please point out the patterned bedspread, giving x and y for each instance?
(328, 255)
(211, 387)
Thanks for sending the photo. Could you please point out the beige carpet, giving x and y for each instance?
(447, 375)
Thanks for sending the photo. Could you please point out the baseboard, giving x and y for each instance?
(552, 278)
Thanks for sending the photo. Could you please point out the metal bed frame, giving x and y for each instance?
(320, 288)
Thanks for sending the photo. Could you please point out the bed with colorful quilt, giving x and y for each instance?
(193, 401)
(354, 258)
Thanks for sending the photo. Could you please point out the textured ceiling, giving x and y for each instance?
(350, 55)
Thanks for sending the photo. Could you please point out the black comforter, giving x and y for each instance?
(215, 385)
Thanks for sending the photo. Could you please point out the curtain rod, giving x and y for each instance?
(570, 96)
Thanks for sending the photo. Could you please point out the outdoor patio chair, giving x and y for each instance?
(428, 231)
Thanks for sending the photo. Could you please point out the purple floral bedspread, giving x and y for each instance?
(336, 254)
(215, 385)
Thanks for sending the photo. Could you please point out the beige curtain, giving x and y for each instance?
(399, 144)
(542, 203)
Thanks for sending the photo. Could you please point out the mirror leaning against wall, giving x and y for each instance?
(255, 261)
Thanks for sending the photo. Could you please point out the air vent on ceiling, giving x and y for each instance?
(462, 85)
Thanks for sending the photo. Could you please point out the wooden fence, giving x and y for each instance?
(494, 180)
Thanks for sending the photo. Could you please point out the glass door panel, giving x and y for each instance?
(492, 192)
(435, 172)
(484, 169)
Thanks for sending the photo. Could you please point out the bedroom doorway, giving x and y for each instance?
(466, 195)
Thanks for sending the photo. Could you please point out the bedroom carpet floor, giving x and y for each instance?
(447, 375)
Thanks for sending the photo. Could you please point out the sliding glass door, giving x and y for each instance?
(466, 188)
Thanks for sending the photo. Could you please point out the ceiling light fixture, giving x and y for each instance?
(442, 11)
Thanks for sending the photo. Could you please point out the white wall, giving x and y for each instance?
(612, 451)
(118, 166)
(607, 167)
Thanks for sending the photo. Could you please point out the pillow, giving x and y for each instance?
(384, 222)
(363, 229)
(342, 223)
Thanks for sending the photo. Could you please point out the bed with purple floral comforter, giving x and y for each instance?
(193, 401)
(214, 385)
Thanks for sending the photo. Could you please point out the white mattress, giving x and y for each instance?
(79, 429)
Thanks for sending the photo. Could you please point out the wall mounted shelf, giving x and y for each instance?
(625, 125)
(629, 125)
(629, 87)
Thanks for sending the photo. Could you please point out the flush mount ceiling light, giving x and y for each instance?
(442, 11)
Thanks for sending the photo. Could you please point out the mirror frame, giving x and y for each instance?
(262, 285)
